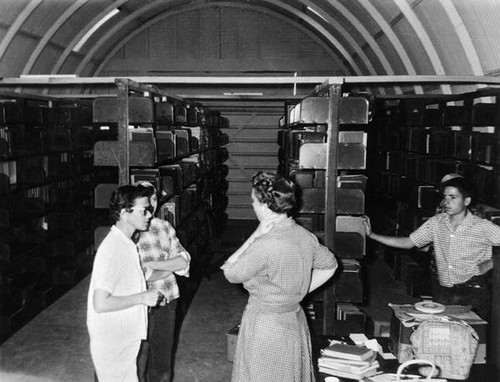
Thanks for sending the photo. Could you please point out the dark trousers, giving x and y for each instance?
(155, 360)
(475, 292)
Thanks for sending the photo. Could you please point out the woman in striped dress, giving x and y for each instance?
(279, 264)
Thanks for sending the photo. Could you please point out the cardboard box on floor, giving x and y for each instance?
(400, 344)
(231, 340)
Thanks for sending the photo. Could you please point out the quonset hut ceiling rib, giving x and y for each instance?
(345, 54)
(368, 43)
(171, 13)
(69, 49)
(368, 39)
(338, 47)
(393, 39)
(424, 39)
(132, 17)
(48, 35)
(464, 37)
(16, 26)
(355, 46)
(481, 20)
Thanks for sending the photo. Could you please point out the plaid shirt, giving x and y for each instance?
(458, 252)
(161, 243)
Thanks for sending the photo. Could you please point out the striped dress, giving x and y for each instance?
(274, 342)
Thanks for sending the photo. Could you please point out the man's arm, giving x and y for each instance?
(403, 242)
(159, 269)
(174, 264)
(154, 275)
(104, 301)
(177, 250)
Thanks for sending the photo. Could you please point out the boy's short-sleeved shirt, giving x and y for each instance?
(458, 252)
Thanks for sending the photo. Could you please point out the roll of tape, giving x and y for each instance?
(430, 307)
(332, 379)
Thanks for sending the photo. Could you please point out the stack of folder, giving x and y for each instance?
(348, 361)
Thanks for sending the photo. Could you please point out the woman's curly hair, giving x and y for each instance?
(277, 192)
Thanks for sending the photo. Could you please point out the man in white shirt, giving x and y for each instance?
(118, 299)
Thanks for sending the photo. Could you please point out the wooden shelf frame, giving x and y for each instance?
(44, 80)
(126, 86)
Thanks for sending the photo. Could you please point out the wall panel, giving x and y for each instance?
(138, 47)
(163, 40)
(188, 42)
(221, 40)
(252, 147)
(209, 30)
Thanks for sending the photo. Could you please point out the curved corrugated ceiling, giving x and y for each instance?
(165, 15)
(363, 37)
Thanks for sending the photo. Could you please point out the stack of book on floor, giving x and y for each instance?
(346, 310)
(348, 361)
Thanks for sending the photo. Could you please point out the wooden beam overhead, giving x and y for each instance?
(422, 79)
(54, 80)
(257, 80)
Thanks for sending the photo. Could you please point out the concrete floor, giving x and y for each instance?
(201, 354)
(54, 345)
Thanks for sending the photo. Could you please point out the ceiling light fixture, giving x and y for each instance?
(316, 13)
(43, 76)
(92, 30)
(243, 93)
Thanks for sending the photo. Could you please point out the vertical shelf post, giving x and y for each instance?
(494, 337)
(334, 94)
(123, 133)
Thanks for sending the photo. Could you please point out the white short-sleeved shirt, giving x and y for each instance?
(458, 252)
(117, 270)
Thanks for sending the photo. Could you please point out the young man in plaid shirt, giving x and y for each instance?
(162, 257)
(462, 248)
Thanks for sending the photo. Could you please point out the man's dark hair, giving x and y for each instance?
(463, 186)
(124, 198)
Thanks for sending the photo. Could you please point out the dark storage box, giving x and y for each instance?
(106, 109)
(231, 341)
